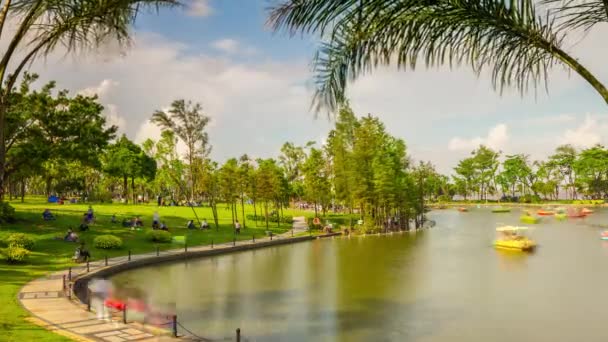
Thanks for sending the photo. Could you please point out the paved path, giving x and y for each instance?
(51, 308)
(299, 224)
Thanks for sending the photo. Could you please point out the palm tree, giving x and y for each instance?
(38, 27)
(518, 41)
(188, 122)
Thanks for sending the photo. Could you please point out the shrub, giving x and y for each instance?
(20, 240)
(7, 212)
(529, 199)
(15, 254)
(107, 242)
(159, 236)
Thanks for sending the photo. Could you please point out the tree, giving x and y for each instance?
(592, 168)
(465, 176)
(43, 25)
(518, 41)
(291, 159)
(229, 185)
(563, 159)
(170, 168)
(268, 183)
(126, 159)
(188, 122)
(485, 162)
(316, 180)
(516, 172)
(44, 128)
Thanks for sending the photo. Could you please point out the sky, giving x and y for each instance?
(256, 87)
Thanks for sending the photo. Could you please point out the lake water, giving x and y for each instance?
(442, 284)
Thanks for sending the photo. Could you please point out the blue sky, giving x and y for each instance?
(256, 86)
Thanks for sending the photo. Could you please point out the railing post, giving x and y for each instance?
(157, 251)
(270, 236)
(87, 266)
(238, 334)
(234, 242)
(129, 255)
(89, 300)
(174, 321)
(106, 259)
(70, 274)
(63, 283)
(124, 314)
(211, 244)
(253, 238)
(291, 232)
(70, 291)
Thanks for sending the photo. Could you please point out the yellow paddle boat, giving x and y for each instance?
(513, 238)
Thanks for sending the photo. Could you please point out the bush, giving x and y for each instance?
(159, 236)
(7, 212)
(20, 240)
(529, 199)
(15, 254)
(107, 242)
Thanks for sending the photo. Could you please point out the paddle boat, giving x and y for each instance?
(529, 219)
(501, 210)
(463, 209)
(561, 216)
(545, 212)
(586, 211)
(604, 235)
(573, 213)
(513, 238)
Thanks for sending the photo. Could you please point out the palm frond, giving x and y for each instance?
(517, 45)
(579, 14)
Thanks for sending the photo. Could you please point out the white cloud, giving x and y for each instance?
(199, 8)
(550, 120)
(226, 45)
(101, 90)
(497, 139)
(584, 136)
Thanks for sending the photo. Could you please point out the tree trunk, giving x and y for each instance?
(125, 191)
(232, 212)
(22, 190)
(243, 210)
(214, 211)
(266, 211)
(133, 190)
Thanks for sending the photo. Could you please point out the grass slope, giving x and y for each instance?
(51, 255)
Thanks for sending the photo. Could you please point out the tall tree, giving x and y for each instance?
(563, 159)
(316, 179)
(42, 26)
(518, 41)
(188, 122)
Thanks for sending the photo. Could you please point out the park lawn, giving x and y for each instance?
(50, 254)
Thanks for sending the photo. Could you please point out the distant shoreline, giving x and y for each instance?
(512, 204)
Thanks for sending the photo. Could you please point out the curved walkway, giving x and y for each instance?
(60, 311)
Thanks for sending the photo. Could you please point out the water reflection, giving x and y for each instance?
(444, 284)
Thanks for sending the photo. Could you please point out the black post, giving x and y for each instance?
(70, 291)
(87, 266)
(270, 236)
(174, 319)
(106, 259)
(291, 232)
(234, 242)
(63, 283)
(124, 314)
(211, 244)
(129, 255)
(88, 300)
(238, 335)
(70, 274)
(157, 251)
(253, 238)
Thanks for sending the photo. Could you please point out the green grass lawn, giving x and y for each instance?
(50, 254)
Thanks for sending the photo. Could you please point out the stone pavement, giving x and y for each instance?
(299, 224)
(61, 312)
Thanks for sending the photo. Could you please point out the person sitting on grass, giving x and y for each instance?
(70, 236)
(204, 224)
(47, 215)
(113, 219)
(84, 224)
(138, 222)
(89, 215)
(163, 226)
(81, 254)
(190, 225)
(127, 223)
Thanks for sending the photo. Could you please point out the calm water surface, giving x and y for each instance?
(443, 284)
